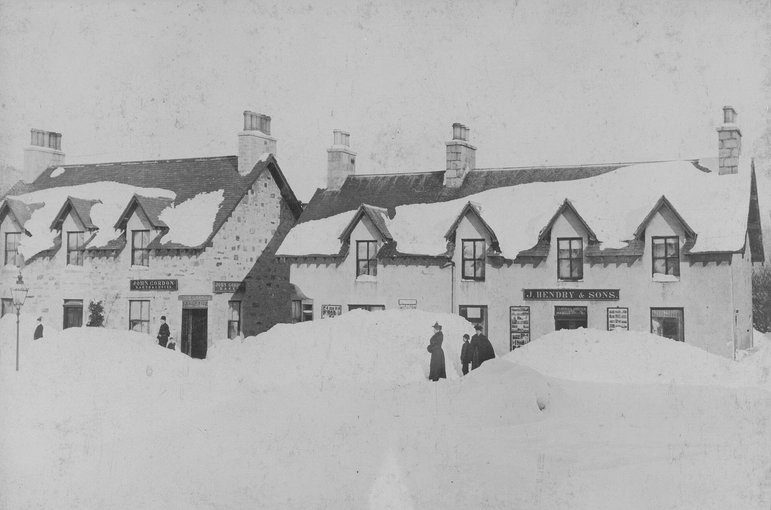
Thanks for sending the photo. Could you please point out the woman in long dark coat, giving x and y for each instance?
(481, 348)
(437, 370)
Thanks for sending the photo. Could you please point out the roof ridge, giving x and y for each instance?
(136, 162)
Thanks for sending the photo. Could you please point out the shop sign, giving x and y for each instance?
(408, 304)
(331, 311)
(519, 326)
(618, 318)
(570, 311)
(195, 303)
(228, 287)
(572, 294)
(194, 297)
(153, 285)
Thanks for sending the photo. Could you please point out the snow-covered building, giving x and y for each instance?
(191, 239)
(665, 247)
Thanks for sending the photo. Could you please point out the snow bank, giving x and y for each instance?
(191, 222)
(629, 357)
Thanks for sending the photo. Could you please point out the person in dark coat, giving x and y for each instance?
(38, 329)
(481, 348)
(465, 355)
(437, 370)
(163, 332)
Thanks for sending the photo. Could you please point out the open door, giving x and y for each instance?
(195, 333)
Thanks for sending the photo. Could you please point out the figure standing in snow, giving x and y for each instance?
(481, 348)
(465, 354)
(38, 329)
(163, 332)
(437, 370)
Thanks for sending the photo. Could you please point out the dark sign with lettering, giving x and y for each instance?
(153, 285)
(572, 294)
(570, 311)
(228, 287)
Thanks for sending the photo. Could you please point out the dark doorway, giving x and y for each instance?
(569, 317)
(73, 313)
(195, 323)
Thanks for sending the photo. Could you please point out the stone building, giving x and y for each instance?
(191, 239)
(662, 247)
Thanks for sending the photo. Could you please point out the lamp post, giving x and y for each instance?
(19, 293)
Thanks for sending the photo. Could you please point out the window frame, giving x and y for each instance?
(78, 250)
(140, 320)
(573, 262)
(16, 254)
(478, 260)
(370, 260)
(231, 321)
(681, 318)
(369, 308)
(143, 251)
(6, 307)
(666, 258)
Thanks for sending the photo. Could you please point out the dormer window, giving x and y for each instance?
(140, 254)
(570, 258)
(366, 262)
(666, 257)
(12, 256)
(473, 259)
(75, 242)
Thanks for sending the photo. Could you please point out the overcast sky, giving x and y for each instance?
(537, 82)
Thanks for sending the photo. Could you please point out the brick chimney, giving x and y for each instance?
(729, 142)
(341, 160)
(461, 157)
(45, 150)
(254, 141)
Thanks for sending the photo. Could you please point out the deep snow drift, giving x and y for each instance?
(338, 414)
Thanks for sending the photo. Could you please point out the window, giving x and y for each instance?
(74, 248)
(473, 259)
(73, 313)
(570, 259)
(140, 254)
(234, 318)
(301, 312)
(366, 263)
(7, 307)
(12, 255)
(666, 255)
(139, 316)
(668, 322)
(475, 315)
(369, 308)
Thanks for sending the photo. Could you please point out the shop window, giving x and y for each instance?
(570, 317)
(475, 315)
(473, 259)
(366, 263)
(140, 254)
(234, 318)
(75, 248)
(666, 256)
(139, 316)
(7, 307)
(668, 322)
(301, 312)
(570, 259)
(369, 308)
(12, 256)
(73, 313)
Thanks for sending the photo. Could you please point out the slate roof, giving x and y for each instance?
(20, 211)
(81, 209)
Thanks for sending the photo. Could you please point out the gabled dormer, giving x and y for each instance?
(14, 215)
(75, 227)
(475, 240)
(667, 238)
(366, 234)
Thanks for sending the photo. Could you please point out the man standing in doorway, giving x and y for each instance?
(163, 332)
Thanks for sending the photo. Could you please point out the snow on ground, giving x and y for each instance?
(338, 414)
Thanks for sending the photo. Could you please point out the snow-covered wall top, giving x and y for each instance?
(613, 205)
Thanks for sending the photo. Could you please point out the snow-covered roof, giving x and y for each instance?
(613, 205)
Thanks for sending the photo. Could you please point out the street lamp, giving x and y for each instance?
(19, 293)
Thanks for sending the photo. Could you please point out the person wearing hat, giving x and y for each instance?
(481, 348)
(465, 354)
(38, 329)
(163, 332)
(437, 370)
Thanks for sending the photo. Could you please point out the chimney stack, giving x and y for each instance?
(341, 160)
(729, 142)
(45, 150)
(254, 141)
(461, 157)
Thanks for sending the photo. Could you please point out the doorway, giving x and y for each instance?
(73, 313)
(195, 324)
(569, 317)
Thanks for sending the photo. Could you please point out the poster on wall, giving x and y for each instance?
(331, 311)
(520, 326)
(408, 304)
(618, 318)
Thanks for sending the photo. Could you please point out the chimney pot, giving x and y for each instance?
(44, 151)
(729, 115)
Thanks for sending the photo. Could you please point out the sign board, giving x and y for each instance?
(194, 297)
(331, 311)
(228, 287)
(519, 326)
(572, 294)
(408, 304)
(618, 318)
(195, 303)
(570, 311)
(153, 285)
